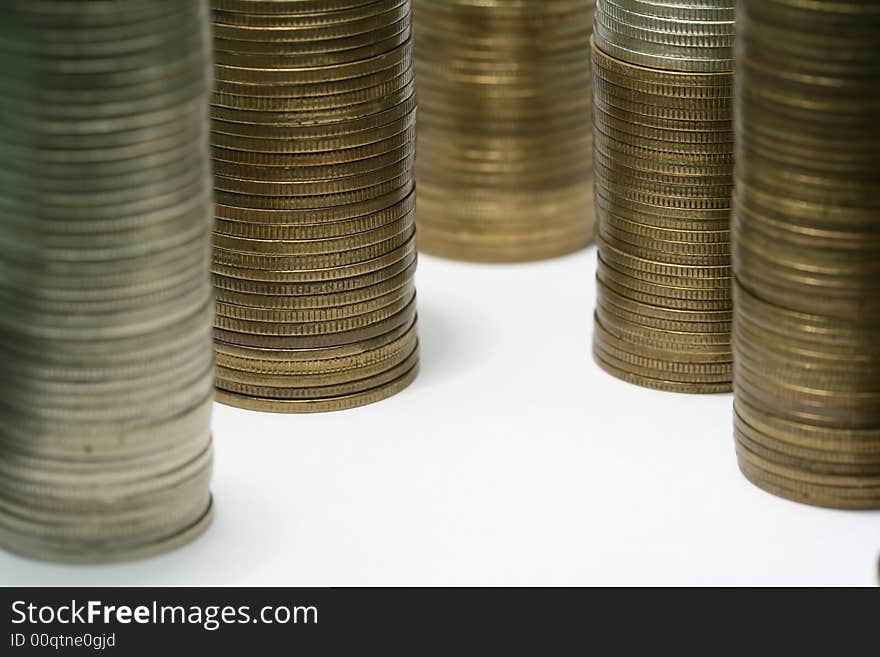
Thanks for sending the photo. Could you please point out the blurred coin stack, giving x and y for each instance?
(663, 138)
(105, 290)
(314, 256)
(807, 250)
(504, 167)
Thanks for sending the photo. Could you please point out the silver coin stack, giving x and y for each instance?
(663, 137)
(673, 35)
(105, 293)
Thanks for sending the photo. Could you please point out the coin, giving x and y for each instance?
(311, 362)
(667, 36)
(663, 141)
(106, 296)
(807, 375)
(504, 167)
(357, 381)
(339, 403)
(313, 135)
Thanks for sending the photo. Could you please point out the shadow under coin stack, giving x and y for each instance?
(664, 177)
(504, 167)
(314, 255)
(105, 290)
(807, 250)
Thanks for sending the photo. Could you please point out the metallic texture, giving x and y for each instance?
(504, 146)
(807, 250)
(313, 134)
(673, 35)
(663, 162)
(105, 291)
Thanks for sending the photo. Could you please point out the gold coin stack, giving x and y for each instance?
(105, 291)
(663, 136)
(313, 131)
(807, 250)
(504, 167)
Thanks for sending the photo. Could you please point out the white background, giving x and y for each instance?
(513, 460)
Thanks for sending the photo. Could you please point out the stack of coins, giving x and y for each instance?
(105, 290)
(504, 168)
(807, 250)
(663, 136)
(314, 256)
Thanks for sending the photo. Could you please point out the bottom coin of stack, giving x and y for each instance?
(105, 292)
(807, 251)
(320, 339)
(663, 164)
(314, 253)
(807, 404)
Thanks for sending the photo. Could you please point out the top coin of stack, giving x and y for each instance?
(694, 36)
(504, 166)
(313, 135)
(807, 250)
(105, 291)
(664, 174)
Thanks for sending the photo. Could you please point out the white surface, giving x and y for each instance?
(513, 460)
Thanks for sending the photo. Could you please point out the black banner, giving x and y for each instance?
(168, 621)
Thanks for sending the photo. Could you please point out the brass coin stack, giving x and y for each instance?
(105, 291)
(504, 167)
(807, 250)
(314, 256)
(663, 136)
